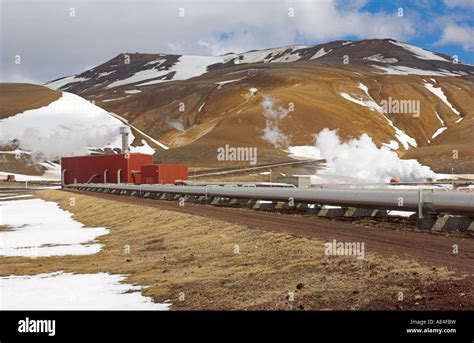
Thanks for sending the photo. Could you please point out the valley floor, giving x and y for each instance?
(200, 257)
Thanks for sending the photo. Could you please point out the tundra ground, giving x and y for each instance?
(200, 261)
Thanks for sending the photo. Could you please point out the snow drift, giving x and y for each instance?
(46, 230)
(67, 291)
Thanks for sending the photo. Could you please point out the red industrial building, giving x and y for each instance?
(120, 168)
(163, 173)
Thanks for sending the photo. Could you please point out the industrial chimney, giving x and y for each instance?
(124, 131)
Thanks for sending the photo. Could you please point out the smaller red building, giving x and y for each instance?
(120, 168)
(163, 173)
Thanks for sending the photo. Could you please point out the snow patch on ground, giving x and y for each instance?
(67, 291)
(400, 213)
(19, 196)
(24, 177)
(46, 230)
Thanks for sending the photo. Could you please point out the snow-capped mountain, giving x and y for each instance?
(275, 100)
(382, 56)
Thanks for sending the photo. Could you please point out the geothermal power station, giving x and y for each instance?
(434, 206)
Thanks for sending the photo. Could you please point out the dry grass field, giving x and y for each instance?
(217, 265)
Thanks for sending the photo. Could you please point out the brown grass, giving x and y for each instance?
(179, 254)
(19, 97)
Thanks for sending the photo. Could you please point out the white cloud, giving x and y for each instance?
(257, 25)
(457, 35)
(459, 3)
(103, 29)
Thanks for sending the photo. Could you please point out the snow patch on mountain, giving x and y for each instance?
(55, 85)
(222, 83)
(106, 73)
(372, 105)
(252, 91)
(419, 52)
(438, 132)
(283, 54)
(321, 52)
(380, 58)
(402, 70)
(440, 94)
(186, 68)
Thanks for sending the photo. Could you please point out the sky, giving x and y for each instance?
(42, 40)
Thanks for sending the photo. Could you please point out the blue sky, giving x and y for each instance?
(445, 26)
(53, 44)
(435, 16)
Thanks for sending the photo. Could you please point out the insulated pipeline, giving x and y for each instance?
(439, 201)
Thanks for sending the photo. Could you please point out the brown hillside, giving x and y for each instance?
(218, 114)
(19, 97)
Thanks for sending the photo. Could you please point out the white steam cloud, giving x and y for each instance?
(360, 159)
(273, 113)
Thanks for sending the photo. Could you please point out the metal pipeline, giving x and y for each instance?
(437, 201)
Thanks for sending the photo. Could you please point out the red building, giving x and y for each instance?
(163, 173)
(121, 168)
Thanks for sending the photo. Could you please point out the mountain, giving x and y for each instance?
(386, 56)
(195, 104)
(277, 100)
